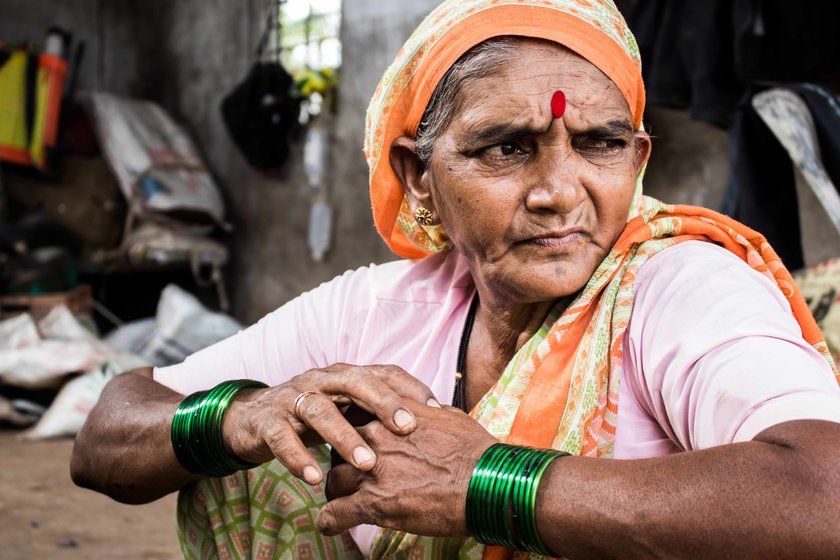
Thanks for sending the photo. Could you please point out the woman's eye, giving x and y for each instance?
(603, 145)
(504, 150)
(508, 149)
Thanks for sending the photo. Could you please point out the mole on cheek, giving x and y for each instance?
(558, 104)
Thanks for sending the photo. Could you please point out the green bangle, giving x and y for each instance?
(197, 430)
(520, 518)
(518, 459)
(502, 496)
(480, 495)
(529, 519)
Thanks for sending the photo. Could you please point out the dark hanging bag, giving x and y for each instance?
(262, 112)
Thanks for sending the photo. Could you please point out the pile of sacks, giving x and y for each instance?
(61, 353)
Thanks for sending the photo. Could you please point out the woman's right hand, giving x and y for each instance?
(263, 424)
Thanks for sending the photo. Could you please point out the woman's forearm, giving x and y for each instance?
(776, 496)
(124, 449)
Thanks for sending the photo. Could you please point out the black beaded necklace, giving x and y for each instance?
(459, 395)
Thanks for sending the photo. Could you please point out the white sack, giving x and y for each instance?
(131, 337)
(45, 364)
(72, 405)
(184, 327)
(17, 332)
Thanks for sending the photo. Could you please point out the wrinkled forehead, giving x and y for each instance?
(515, 72)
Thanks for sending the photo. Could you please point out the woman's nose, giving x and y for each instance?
(553, 183)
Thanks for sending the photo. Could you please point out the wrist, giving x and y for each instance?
(197, 430)
(239, 428)
(502, 496)
(462, 490)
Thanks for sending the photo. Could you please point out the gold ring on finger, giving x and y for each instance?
(299, 400)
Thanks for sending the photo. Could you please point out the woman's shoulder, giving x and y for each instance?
(693, 254)
(699, 267)
(427, 280)
(710, 341)
(696, 296)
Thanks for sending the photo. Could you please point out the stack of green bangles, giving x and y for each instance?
(197, 430)
(502, 496)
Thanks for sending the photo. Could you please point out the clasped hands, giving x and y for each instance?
(404, 463)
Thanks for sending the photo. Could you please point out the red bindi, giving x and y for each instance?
(558, 104)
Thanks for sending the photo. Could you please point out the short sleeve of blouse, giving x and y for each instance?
(307, 332)
(714, 353)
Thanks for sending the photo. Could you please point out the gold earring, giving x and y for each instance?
(423, 216)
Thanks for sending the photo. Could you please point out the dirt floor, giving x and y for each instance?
(44, 515)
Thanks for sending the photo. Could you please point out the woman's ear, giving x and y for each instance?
(643, 146)
(412, 173)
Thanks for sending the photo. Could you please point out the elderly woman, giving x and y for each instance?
(566, 318)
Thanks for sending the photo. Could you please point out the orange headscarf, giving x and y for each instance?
(593, 28)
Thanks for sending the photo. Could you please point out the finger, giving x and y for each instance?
(400, 381)
(321, 415)
(342, 481)
(374, 395)
(289, 450)
(374, 432)
(419, 410)
(341, 514)
(406, 385)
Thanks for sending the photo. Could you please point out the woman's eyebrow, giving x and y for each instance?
(611, 128)
(497, 133)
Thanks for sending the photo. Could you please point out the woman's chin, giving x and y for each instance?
(530, 282)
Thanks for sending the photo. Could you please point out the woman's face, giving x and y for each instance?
(535, 202)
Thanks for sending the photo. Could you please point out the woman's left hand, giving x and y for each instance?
(419, 483)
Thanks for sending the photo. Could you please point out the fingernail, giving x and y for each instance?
(311, 475)
(433, 402)
(362, 456)
(403, 418)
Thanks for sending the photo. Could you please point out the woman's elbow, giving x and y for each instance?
(88, 471)
(809, 482)
(83, 463)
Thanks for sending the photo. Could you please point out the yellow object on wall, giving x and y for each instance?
(22, 142)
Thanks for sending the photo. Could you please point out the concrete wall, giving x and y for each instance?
(28, 20)
(114, 44)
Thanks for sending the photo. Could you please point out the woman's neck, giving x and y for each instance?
(501, 328)
(509, 326)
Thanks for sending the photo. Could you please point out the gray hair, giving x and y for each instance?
(481, 60)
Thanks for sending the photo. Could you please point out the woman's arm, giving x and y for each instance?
(124, 449)
(776, 496)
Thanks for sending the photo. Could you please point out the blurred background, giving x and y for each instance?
(172, 171)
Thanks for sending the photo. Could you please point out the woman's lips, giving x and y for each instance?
(558, 240)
